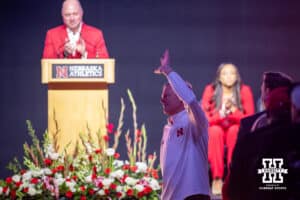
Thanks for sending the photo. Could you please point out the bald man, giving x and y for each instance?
(74, 39)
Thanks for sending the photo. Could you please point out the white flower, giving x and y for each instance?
(153, 183)
(118, 163)
(88, 147)
(49, 152)
(25, 184)
(32, 191)
(53, 156)
(16, 178)
(37, 173)
(141, 167)
(131, 181)
(101, 192)
(106, 182)
(59, 181)
(119, 188)
(1, 190)
(110, 151)
(88, 179)
(117, 174)
(58, 175)
(139, 187)
(71, 185)
(27, 176)
(47, 171)
(49, 149)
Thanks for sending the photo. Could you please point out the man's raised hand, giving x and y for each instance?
(164, 67)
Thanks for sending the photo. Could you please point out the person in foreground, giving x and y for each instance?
(74, 39)
(184, 145)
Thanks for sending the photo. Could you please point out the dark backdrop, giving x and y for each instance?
(255, 35)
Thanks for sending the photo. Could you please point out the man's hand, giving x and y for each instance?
(69, 48)
(164, 67)
(80, 47)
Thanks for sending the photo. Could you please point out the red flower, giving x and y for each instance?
(54, 171)
(98, 151)
(129, 192)
(94, 169)
(34, 181)
(83, 198)
(106, 138)
(74, 178)
(8, 180)
(18, 184)
(82, 188)
(113, 186)
(138, 133)
(13, 194)
(147, 190)
(106, 191)
(133, 168)
(71, 168)
(91, 192)
(100, 185)
(25, 190)
(119, 194)
(123, 178)
(94, 176)
(110, 127)
(116, 155)
(155, 174)
(140, 194)
(23, 171)
(60, 168)
(5, 189)
(69, 194)
(47, 161)
(90, 158)
(107, 171)
(126, 167)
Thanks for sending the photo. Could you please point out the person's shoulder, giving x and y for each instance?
(245, 88)
(57, 29)
(91, 29)
(209, 87)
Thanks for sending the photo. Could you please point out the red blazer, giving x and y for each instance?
(93, 38)
(213, 115)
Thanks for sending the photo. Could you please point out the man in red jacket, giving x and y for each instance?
(74, 39)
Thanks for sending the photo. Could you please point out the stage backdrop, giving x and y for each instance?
(255, 35)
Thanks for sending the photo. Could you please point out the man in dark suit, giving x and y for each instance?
(271, 80)
(74, 39)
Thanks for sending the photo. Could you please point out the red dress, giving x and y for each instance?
(223, 131)
(93, 38)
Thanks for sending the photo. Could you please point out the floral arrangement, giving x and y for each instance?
(91, 172)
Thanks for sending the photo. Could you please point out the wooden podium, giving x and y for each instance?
(77, 97)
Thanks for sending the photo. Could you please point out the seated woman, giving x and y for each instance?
(225, 102)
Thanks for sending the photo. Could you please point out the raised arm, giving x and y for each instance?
(182, 90)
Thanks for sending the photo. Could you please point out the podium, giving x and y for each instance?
(77, 98)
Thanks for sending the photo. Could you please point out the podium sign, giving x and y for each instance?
(77, 71)
(77, 97)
